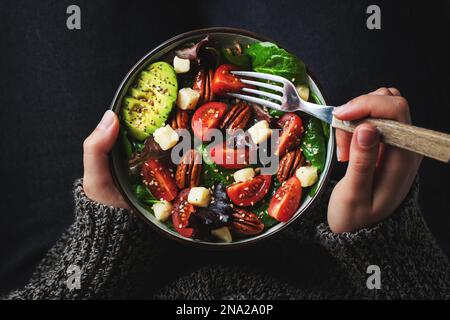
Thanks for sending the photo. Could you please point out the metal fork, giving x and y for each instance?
(284, 97)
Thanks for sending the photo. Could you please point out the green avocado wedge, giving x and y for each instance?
(150, 101)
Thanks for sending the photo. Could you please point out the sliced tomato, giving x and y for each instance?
(292, 131)
(224, 81)
(158, 179)
(247, 193)
(286, 200)
(207, 117)
(228, 157)
(181, 212)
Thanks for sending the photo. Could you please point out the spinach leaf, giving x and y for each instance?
(240, 60)
(138, 146)
(169, 224)
(325, 129)
(144, 195)
(325, 126)
(314, 97)
(212, 173)
(312, 190)
(267, 57)
(263, 214)
(126, 144)
(313, 143)
(275, 113)
(261, 210)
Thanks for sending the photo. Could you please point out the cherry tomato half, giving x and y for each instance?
(286, 200)
(249, 192)
(229, 158)
(207, 117)
(181, 212)
(224, 81)
(158, 179)
(291, 133)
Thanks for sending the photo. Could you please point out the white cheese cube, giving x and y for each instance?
(181, 65)
(222, 234)
(166, 137)
(187, 99)
(260, 132)
(162, 210)
(303, 91)
(307, 175)
(199, 196)
(244, 174)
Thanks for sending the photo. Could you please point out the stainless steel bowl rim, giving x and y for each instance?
(115, 106)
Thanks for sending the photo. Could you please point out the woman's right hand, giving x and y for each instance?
(378, 176)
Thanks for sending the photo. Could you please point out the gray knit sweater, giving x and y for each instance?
(121, 257)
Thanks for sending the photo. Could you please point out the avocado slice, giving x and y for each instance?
(165, 77)
(150, 101)
(144, 112)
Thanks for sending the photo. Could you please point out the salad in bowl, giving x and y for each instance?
(207, 168)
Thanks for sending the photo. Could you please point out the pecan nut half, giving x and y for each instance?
(237, 117)
(188, 170)
(246, 223)
(290, 162)
(180, 119)
(203, 85)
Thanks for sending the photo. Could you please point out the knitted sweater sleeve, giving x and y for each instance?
(92, 258)
(396, 259)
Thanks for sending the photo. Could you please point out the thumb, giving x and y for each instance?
(96, 148)
(363, 157)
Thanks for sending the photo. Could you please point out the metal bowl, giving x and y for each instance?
(224, 37)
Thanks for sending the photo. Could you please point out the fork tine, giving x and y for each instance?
(260, 101)
(263, 85)
(259, 75)
(263, 94)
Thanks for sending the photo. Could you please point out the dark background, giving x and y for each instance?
(55, 84)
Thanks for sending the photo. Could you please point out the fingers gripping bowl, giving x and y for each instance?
(216, 193)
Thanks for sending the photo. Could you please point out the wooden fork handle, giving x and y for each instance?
(426, 142)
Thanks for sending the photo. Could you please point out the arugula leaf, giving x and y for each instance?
(313, 143)
(267, 57)
(144, 195)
